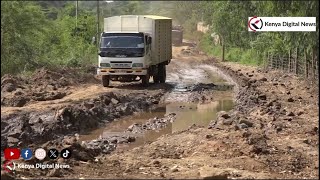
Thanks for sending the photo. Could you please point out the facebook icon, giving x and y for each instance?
(26, 154)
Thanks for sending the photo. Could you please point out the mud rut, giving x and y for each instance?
(80, 125)
(162, 132)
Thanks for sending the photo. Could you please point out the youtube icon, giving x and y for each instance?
(11, 153)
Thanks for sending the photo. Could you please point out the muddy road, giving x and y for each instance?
(209, 120)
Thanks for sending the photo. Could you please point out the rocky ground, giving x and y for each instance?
(272, 132)
(43, 85)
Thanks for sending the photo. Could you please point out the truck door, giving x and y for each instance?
(148, 48)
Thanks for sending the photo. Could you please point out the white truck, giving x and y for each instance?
(134, 48)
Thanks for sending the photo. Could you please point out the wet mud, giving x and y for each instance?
(210, 120)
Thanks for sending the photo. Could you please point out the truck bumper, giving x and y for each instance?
(121, 72)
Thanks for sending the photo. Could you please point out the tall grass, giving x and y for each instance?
(242, 56)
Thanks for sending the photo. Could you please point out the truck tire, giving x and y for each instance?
(162, 73)
(105, 81)
(156, 79)
(145, 79)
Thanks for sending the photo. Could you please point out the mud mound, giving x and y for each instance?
(202, 86)
(18, 101)
(43, 85)
(107, 143)
(64, 76)
(9, 83)
(80, 153)
(152, 124)
(45, 74)
(41, 127)
(275, 115)
(191, 51)
(211, 86)
(89, 150)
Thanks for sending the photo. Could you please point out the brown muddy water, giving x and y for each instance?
(187, 114)
(176, 102)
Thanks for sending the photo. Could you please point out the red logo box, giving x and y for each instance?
(11, 153)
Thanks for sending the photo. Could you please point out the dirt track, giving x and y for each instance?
(272, 131)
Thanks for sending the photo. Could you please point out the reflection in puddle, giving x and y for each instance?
(199, 114)
(187, 114)
(120, 125)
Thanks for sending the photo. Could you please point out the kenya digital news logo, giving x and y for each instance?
(8, 166)
(255, 23)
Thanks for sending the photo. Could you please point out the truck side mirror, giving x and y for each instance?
(149, 40)
(93, 41)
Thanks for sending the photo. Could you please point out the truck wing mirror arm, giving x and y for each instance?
(93, 41)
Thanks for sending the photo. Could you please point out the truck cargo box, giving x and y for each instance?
(158, 27)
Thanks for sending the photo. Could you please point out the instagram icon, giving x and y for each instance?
(40, 154)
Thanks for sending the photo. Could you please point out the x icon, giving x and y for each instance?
(53, 153)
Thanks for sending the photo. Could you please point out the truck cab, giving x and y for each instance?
(126, 55)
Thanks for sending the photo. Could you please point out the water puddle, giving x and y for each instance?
(120, 125)
(199, 114)
(187, 83)
(187, 114)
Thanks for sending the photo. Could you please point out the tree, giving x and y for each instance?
(23, 27)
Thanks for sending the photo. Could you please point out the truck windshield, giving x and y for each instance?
(122, 42)
(122, 46)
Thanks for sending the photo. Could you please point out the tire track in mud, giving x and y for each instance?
(60, 128)
(239, 145)
(195, 92)
(23, 129)
(189, 78)
(198, 95)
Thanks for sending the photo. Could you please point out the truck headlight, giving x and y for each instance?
(105, 65)
(137, 65)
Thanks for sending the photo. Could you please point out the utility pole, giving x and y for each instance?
(202, 17)
(77, 14)
(98, 23)
(223, 49)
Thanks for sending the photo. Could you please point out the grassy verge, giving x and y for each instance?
(193, 36)
(242, 56)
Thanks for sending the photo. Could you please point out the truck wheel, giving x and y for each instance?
(145, 80)
(162, 73)
(156, 79)
(105, 81)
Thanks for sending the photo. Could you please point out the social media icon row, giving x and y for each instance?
(15, 153)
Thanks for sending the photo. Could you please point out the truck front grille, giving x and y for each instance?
(121, 62)
(121, 65)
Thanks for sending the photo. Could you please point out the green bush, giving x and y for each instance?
(206, 44)
(251, 57)
(243, 56)
(231, 25)
(233, 54)
(31, 40)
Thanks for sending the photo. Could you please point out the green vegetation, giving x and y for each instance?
(32, 37)
(207, 45)
(228, 19)
(44, 34)
(248, 56)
